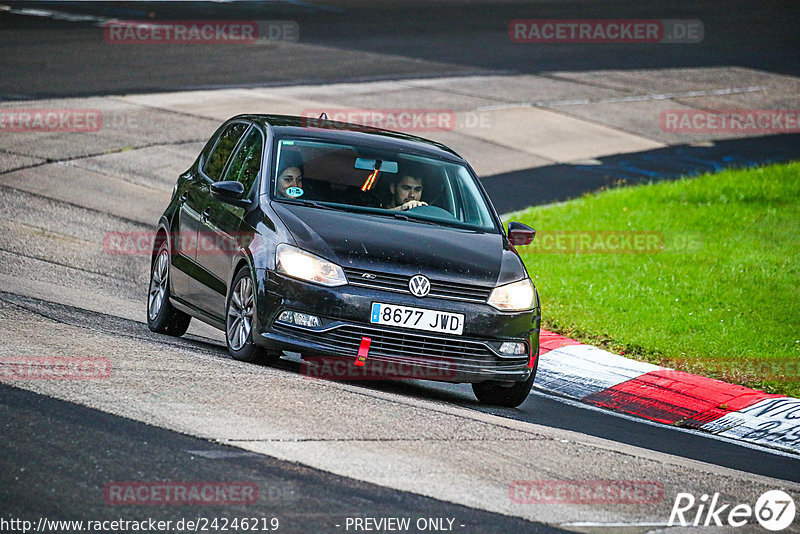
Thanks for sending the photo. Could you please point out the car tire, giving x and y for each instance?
(162, 316)
(239, 313)
(507, 396)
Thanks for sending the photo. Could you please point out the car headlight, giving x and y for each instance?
(300, 264)
(516, 296)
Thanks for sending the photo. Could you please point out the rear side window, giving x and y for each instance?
(246, 163)
(214, 164)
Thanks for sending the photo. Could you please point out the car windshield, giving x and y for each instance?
(379, 182)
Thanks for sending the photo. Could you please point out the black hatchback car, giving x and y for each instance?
(373, 248)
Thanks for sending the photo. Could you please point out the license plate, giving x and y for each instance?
(417, 318)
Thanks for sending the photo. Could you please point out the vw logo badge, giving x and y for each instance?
(419, 285)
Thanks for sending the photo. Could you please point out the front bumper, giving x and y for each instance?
(345, 310)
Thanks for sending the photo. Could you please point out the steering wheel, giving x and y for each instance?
(432, 211)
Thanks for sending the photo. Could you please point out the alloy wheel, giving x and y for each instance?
(240, 314)
(158, 285)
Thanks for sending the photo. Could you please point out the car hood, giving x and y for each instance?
(385, 244)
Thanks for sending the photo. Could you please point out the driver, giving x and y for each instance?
(290, 174)
(406, 193)
(289, 177)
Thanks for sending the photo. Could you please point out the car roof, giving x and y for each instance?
(343, 132)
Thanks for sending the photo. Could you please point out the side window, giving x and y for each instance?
(215, 162)
(246, 162)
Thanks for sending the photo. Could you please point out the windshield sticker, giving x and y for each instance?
(294, 192)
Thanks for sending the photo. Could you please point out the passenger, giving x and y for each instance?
(406, 193)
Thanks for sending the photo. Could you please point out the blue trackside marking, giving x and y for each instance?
(376, 313)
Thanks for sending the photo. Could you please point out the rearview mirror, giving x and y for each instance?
(520, 234)
(369, 165)
(230, 192)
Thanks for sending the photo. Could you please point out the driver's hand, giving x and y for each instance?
(412, 204)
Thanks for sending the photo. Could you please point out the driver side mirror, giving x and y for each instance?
(230, 192)
(520, 234)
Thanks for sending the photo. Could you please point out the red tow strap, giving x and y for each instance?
(363, 351)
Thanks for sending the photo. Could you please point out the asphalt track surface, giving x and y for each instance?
(103, 447)
(58, 456)
(351, 41)
(541, 408)
(44, 474)
(364, 40)
(555, 183)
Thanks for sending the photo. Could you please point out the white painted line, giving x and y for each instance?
(628, 98)
(618, 525)
(55, 15)
(222, 455)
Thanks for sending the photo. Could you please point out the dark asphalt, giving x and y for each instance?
(555, 183)
(362, 40)
(58, 457)
(365, 40)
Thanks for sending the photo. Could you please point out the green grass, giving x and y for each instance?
(719, 299)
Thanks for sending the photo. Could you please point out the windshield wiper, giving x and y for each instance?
(358, 209)
(402, 216)
(316, 204)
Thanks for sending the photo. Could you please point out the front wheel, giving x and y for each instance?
(240, 313)
(499, 395)
(162, 316)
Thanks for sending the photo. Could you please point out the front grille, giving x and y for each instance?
(406, 346)
(399, 284)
